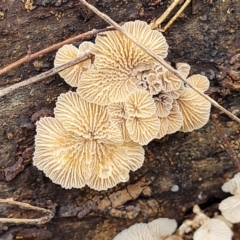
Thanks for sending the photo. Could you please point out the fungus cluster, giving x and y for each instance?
(124, 99)
(158, 229)
(230, 207)
(206, 228)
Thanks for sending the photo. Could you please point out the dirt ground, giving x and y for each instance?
(206, 36)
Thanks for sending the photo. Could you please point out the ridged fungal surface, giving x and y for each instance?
(124, 99)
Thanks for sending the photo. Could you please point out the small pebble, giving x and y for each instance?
(175, 188)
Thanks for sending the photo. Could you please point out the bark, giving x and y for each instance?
(206, 36)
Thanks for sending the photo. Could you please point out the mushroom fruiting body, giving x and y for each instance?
(195, 109)
(158, 229)
(230, 207)
(118, 63)
(69, 52)
(233, 185)
(81, 146)
(213, 229)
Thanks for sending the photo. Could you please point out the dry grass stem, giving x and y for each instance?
(30, 57)
(36, 221)
(157, 58)
(44, 75)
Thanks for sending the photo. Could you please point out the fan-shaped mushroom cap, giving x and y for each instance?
(199, 81)
(117, 63)
(57, 153)
(138, 231)
(230, 208)
(143, 130)
(183, 68)
(233, 185)
(72, 74)
(194, 108)
(162, 227)
(213, 229)
(140, 104)
(82, 140)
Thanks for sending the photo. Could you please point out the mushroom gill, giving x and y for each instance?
(81, 146)
(69, 52)
(118, 62)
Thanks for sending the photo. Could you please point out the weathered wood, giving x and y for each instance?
(197, 162)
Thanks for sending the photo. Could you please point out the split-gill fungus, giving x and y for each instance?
(124, 99)
(230, 207)
(161, 229)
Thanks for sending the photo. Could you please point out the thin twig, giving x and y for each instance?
(44, 75)
(35, 221)
(30, 57)
(227, 144)
(157, 58)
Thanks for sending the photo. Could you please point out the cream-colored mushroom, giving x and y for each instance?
(140, 104)
(194, 108)
(213, 229)
(138, 231)
(233, 185)
(162, 228)
(230, 208)
(143, 130)
(118, 62)
(67, 53)
(183, 68)
(199, 81)
(81, 146)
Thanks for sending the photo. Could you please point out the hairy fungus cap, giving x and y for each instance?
(233, 185)
(183, 68)
(230, 208)
(162, 227)
(140, 104)
(81, 146)
(143, 130)
(213, 229)
(67, 53)
(138, 231)
(195, 110)
(118, 62)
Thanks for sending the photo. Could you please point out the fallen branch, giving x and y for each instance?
(157, 58)
(30, 57)
(36, 221)
(227, 144)
(44, 75)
